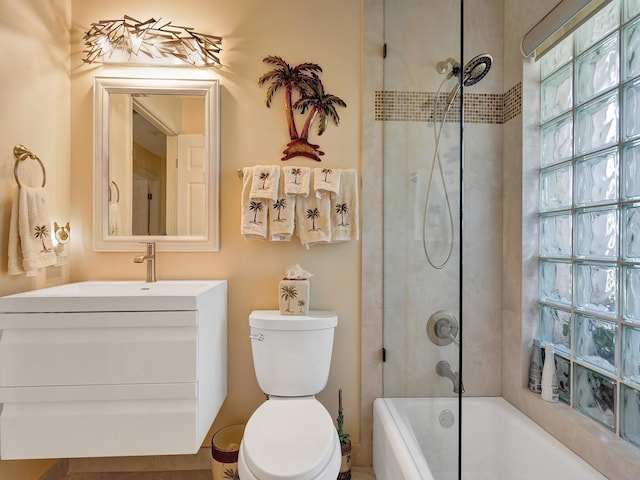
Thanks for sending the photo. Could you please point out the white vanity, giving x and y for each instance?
(96, 369)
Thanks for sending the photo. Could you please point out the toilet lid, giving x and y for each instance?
(289, 439)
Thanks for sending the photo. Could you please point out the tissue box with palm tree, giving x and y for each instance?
(294, 291)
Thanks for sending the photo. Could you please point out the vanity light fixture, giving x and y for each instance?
(129, 40)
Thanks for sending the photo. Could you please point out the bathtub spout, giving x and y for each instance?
(444, 370)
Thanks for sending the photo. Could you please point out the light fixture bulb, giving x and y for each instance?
(104, 45)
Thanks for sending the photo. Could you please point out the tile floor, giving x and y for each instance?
(358, 473)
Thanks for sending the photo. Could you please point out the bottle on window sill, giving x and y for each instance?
(549, 377)
(535, 368)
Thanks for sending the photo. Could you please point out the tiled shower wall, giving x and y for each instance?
(490, 108)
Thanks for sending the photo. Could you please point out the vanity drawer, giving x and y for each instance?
(138, 420)
(98, 348)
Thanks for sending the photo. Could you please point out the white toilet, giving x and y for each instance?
(291, 436)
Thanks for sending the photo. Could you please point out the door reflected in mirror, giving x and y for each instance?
(157, 153)
(167, 173)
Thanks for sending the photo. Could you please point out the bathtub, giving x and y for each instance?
(499, 442)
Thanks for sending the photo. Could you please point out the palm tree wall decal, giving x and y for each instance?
(304, 82)
(320, 105)
(292, 79)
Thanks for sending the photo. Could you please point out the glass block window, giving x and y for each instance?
(589, 245)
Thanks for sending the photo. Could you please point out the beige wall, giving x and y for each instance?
(327, 33)
(34, 94)
(52, 115)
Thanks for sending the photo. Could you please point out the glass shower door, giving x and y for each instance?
(420, 109)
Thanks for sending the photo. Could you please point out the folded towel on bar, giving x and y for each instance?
(344, 209)
(265, 181)
(296, 180)
(253, 223)
(281, 215)
(326, 181)
(313, 217)
(30, 245)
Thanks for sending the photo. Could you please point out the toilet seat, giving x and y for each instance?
(290, 438)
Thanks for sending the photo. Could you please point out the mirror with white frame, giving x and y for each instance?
(156, 164)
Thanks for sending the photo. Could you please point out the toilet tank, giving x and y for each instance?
(292, 353)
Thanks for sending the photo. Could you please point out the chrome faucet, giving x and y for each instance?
(150, 257)
(444, 370)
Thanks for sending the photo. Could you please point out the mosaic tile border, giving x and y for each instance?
(512, 104)
(407, 106)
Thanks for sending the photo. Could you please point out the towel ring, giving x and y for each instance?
(117, 191)
(22, 153)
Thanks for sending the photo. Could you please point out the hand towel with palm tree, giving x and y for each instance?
(296, 180)
(282, 215)
(345, 209)
(313, 219)
(265, 182)
(254, 210)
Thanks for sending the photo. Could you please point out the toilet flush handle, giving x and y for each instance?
(259, 337)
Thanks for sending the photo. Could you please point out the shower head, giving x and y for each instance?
(474, 71)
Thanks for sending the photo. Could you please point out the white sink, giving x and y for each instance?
(112, 368)
(103, 296)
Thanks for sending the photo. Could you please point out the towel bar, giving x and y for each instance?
(22, 153)
(240, 174)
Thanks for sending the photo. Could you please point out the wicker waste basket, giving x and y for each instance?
(225, 445)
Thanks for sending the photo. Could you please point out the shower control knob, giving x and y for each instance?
(442, 328)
